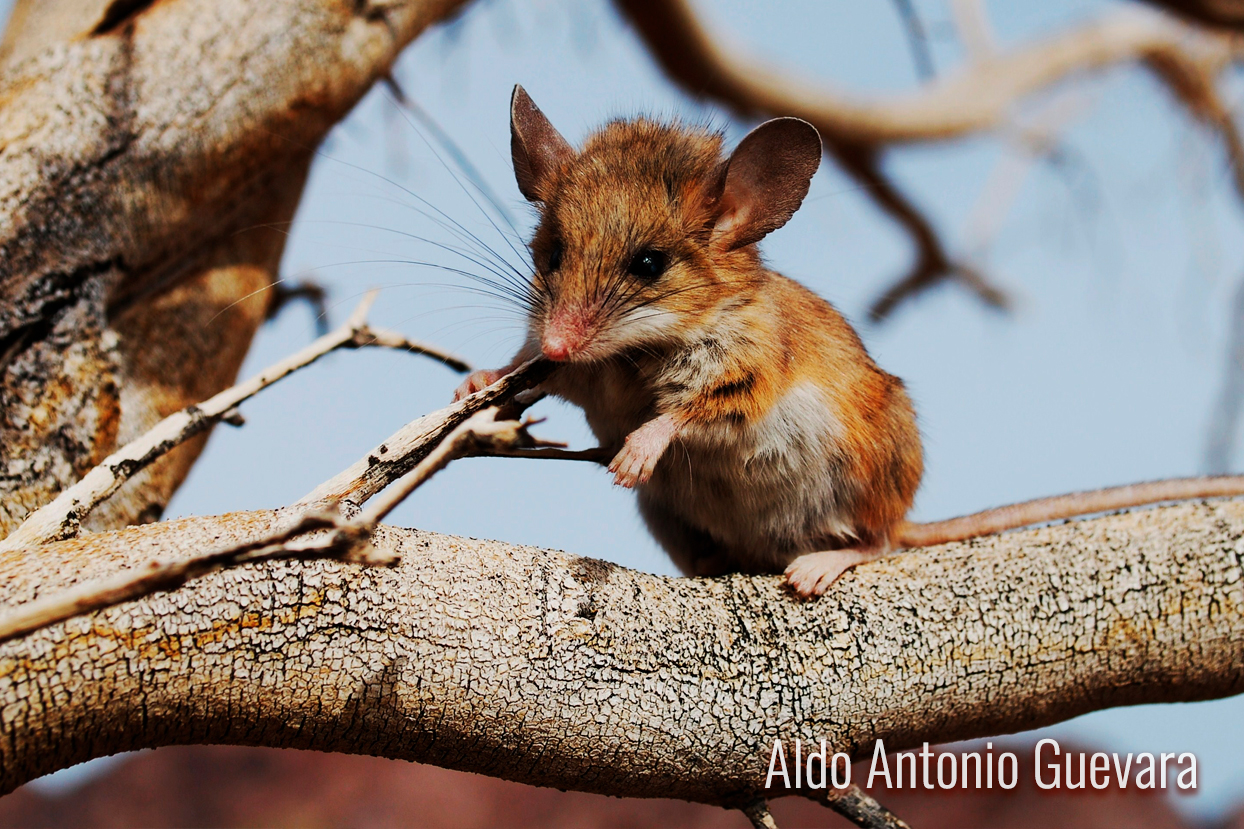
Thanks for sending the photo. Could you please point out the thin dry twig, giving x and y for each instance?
(1223, 431)
(304, 290)
(62, 518)
(480, 434)
(859, 807)
(917, 39)
(597, 454)
(1035, 139)
(974, 29)
(404, 449)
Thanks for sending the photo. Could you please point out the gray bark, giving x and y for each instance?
(136, 140)
(555, 670)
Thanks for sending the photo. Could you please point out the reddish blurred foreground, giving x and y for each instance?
(223, 786)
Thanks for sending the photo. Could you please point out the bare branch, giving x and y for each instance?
(760, 816)
(480, 434)
(975, 31)
(597, 454)
(304, 290)
(978, 99)
(1223, 431)
(402, 451)
(62, 517)
(1191, 75)
(862, 809)
(917, 39)
(1228, 14)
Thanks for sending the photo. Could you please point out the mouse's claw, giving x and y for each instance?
(630, 467)
(477, 380)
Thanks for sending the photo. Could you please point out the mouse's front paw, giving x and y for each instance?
(478, 380)
(632, 466)
(643, 448)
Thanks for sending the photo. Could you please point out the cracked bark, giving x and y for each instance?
(560, 671)
(136, 141)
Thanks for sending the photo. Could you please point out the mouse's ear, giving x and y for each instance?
(765, 180)
(537, 147)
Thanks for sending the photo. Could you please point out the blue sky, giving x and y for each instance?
(1123, 262)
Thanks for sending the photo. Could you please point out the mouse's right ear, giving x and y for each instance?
(764, 181)
(537, 147)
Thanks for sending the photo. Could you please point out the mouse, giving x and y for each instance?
(744, 410)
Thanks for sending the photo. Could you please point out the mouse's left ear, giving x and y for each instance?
(765, 180)
(536, 146)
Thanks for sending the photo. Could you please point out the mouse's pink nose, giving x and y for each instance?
(555, 348)
(565, 334)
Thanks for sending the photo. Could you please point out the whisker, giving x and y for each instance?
(465, 254)
(458, 181)
(441, 213)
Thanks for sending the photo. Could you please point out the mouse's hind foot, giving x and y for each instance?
(811, 574)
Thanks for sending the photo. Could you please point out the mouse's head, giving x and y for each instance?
(647, 231)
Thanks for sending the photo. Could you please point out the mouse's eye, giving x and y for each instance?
(647, 264)
(555, 256)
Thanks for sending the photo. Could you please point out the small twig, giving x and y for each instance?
(1034, 139)
(348, 542)
(1225, 422)
(861, 808)
(917, 39)
(597, 454)
(480, 434)
(1190, 77)
(62, 518)
(306, 290)
(975, 32)
(403, 450)
(758, 813)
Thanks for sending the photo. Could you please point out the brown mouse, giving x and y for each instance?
(744, 409)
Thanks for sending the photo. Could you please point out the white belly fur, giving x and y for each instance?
(764, 490)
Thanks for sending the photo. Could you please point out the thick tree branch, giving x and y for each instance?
(347, 543)
(1228, 14)
(550, 669)
(138, 143)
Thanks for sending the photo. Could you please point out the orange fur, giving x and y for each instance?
(742, 406)
(760, 434)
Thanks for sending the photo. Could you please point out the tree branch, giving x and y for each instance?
(144, 161)
(554, 670)
(401, 452)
